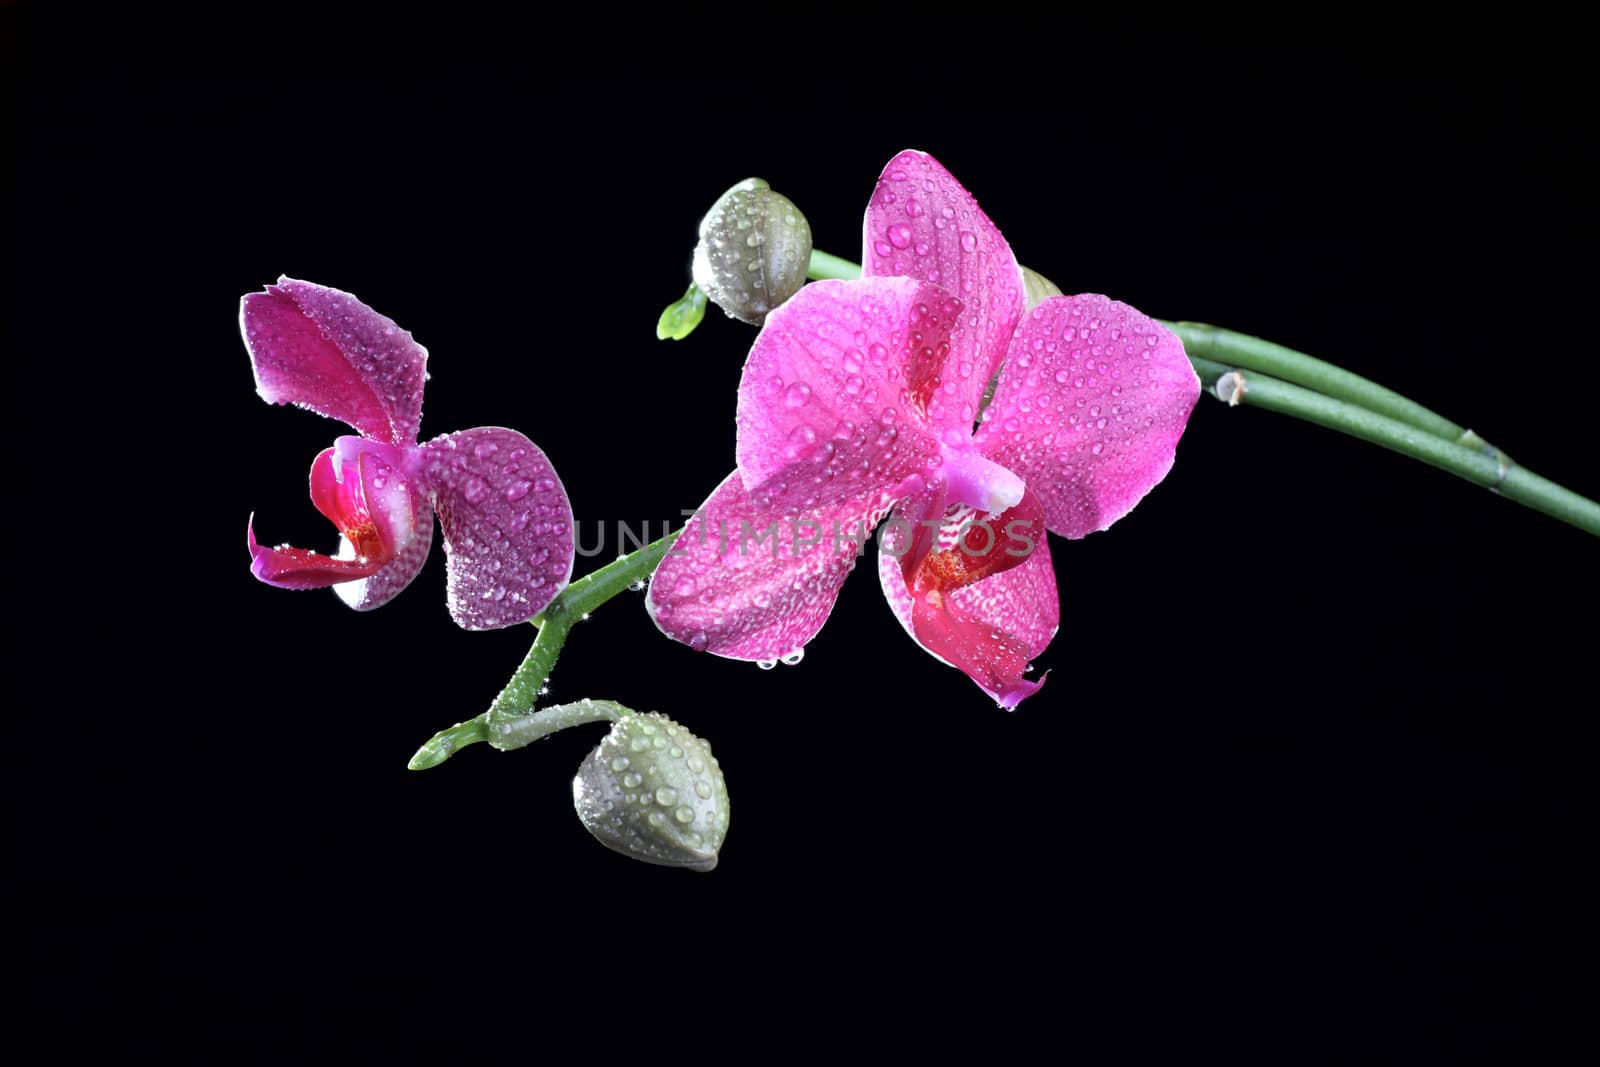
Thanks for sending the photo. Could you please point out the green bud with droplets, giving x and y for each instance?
(1037, 288)
(653, 791)
(755, 247)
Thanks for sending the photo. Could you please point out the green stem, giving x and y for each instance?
(1492, 470)
(824, 265)
(1252, 353)
(522, 692)
(519, 730)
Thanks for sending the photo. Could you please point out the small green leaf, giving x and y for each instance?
(679, 320)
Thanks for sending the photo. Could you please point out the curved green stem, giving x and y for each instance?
(517, 699)
(519, 730)
(1252, 353)
(1492, 469)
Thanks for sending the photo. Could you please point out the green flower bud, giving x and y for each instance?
(653, 791)
(1037, 288)
(754, 249)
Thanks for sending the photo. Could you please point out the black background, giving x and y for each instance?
(1305, 761)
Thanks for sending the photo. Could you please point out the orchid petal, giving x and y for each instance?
(921, 223)
(1091, 402)
(361, 487)
(325, 350)
(301, 568)
(825, 410)
(506, 521)
(752, 583)
(385, 584)
(990, 611)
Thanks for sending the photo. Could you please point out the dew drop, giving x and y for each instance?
(475, 490)
(797, 394)
(517, 490)
(794, 657)
(900, 235)
(969, 241)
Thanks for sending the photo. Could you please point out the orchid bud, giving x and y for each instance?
(755, 247)
(654, 792)
(1037, 288)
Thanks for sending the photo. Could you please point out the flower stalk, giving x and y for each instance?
(516, 701)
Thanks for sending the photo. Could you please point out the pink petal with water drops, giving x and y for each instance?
(386, 583)
(362, 487)
(921, 223)
(359, 486)
(323, 349)
(989, 628)
(507, 525)
(747, 582)
(300, 568)
(1089, 409)
(827, 410)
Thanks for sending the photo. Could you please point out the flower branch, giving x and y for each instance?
(500, 725)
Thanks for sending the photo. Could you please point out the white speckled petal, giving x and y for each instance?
(506, 521)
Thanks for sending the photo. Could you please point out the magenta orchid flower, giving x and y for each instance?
(504, 514)
(859, 402)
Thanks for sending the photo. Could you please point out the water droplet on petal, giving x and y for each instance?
(797, 394)
(969, 241)
(900, 235)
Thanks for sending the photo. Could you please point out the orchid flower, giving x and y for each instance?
(860, 401)
(504, 514)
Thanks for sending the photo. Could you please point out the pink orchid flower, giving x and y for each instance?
(504, 513)
(859, 401)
